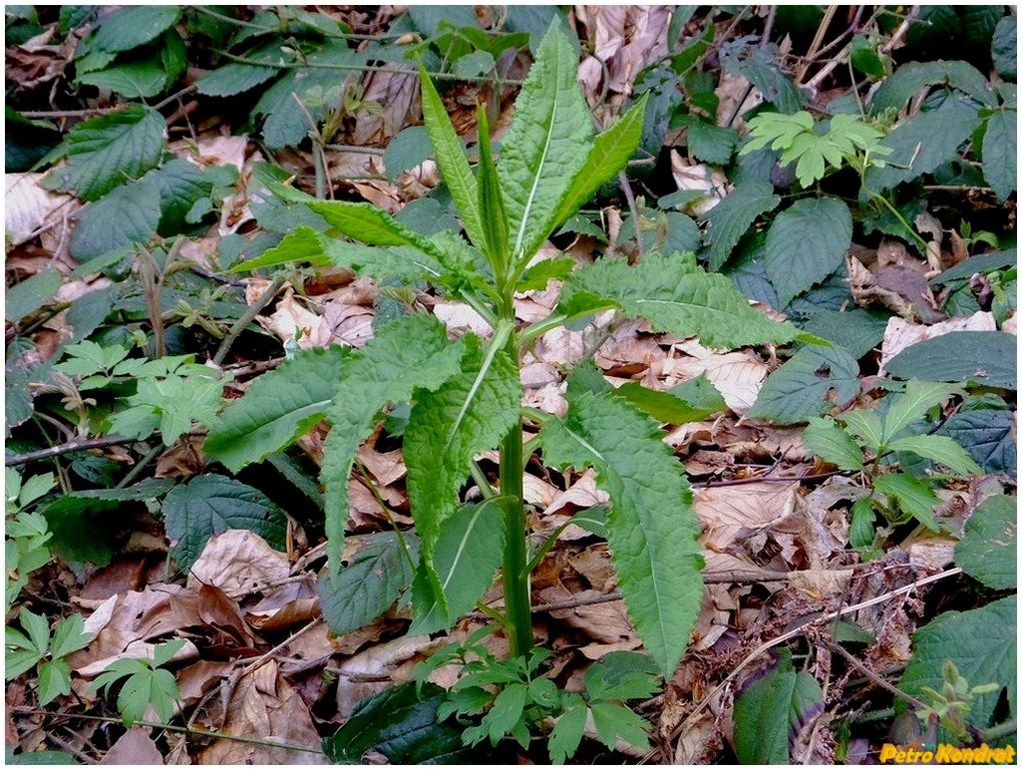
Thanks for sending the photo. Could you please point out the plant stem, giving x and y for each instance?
(517, 599)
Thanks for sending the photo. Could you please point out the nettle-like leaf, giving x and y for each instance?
(652, 527)
(467, 415)
(277, 408)
(540, 155)
(676, 296)
(408, 354)
(800, 389)
(988, 551)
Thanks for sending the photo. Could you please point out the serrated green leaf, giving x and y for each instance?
(652, 528)
(303, 243)
(567, 734)
(506, 711)
(861, 530)
(237, 77)
(132, 80)
(107, 150)
(277, 408)
(940, 449)
(367, 587)
(54, 680)
(989, 549)
(491, 199)
(467, 415)
(1004, 47)
(924, 142)
(769, 710)
(982, 645)
(758, 65)
(828, 440)
(38, 629)
(370, 224)
(127, 28)
(730, 219)
(610, 152)
(914, 497)
(126, 216)
(802, 388)
(18, 660)
(806, 243)
(450, 157)
(866, 425)
(1000, 152)
(917, 399)
(386, 370)
(712, 144)
(540, 155)
(468, 553)
(676, 296)
(181, 184)
(613, 720)
(856, 330)
(988, 358)
(69, 636)
(210, 504)
(540, 274)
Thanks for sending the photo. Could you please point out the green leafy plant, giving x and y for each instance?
(146, 684)
(26, 533)
(466, 395)
(34, 647)
(859, 441)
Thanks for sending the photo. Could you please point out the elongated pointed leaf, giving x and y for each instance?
(826, 438)
(303, 243)
(369, 224)
(467, 556)
(940, 449)
(916, 401)
(450, 157)
(914, 497)
(545, 148)
(677, 296)
(610, 153)
(411, 352)
(466, 416)
(491, 199)
(652, 527)
(276, 409)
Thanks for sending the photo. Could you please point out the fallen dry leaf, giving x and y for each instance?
(28, 205)
(729, 511)
(266, 707)
(238, 562)
(135, 747)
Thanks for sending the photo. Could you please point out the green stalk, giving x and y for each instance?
(517, 600)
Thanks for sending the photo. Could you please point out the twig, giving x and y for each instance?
(173, 728)
(766, 477)
(246, 319)
(134, 473)
(633, 207)
(78, 445)
(871, 675)
(798, 630)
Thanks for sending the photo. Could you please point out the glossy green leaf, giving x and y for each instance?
(667, 407)
(988, 437)
(988, 358)
(277, 408)
(491, 200)
(652, 528)
(1004, 47)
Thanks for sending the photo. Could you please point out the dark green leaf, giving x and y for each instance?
(910, 78)
(982, 645)
(729, 220)
(988, 358)
(1004, 47)
(132, 80)
(31, 294)
(210, 504)
(126, 216)
(1000, 152)
(806, 243)
(127, 28)
(913, 496)
(770, 710)
(622, 676)
(401, 724)
(367, 586)
(856, 330)
(406, 150)
(989, 549)
(988, 436)
(802, 388)
(712, 144)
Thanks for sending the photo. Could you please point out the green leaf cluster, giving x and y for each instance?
(145, 684)
(34, 647)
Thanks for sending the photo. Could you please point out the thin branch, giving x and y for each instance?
(78, 445)
(246, 318)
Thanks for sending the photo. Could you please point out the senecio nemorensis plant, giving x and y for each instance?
(465, 395)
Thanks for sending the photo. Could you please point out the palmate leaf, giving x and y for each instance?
(652, 527)
(276, 409)
(410, 353)
(676, 296)
(467, 415)
(540, 155)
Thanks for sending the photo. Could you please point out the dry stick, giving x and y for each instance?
(871, 675)
(798, 630)
(246, 319)
(79, 445)
(814, 46)
(93, 111)
(173, 728)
